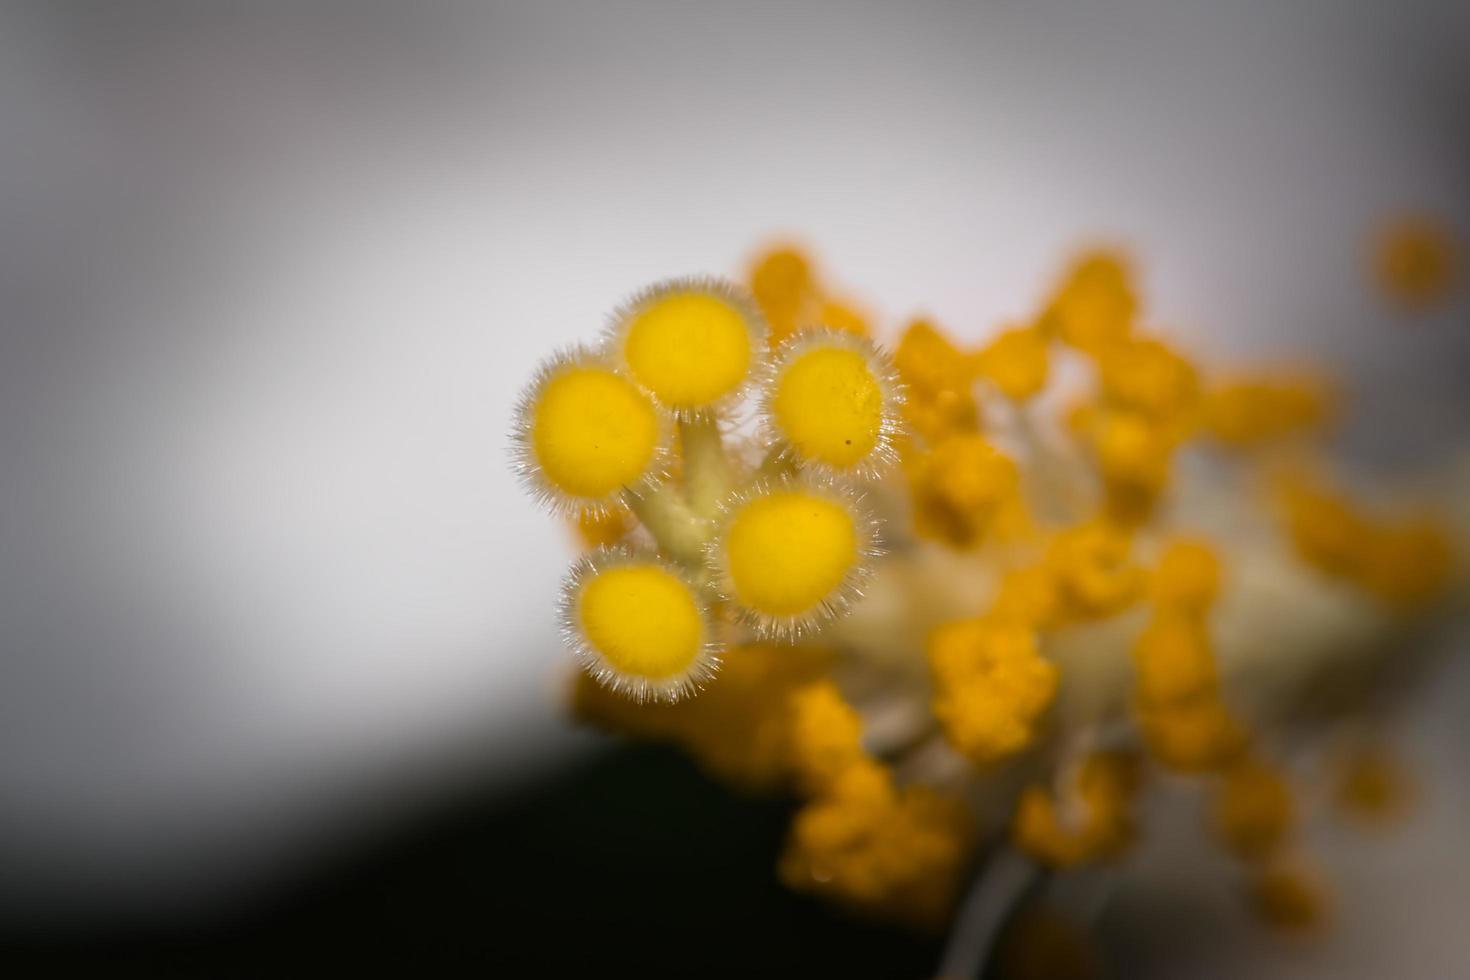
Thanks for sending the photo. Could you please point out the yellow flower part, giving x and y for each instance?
(1372, 784)
(1133, 453)
(1417, 262)
(691, 343)
(1253, 813)
(896, 854)
(1252, 411)
(1092, 822)
(838, 315)
(1187, 578)
(1174, 661)
(1015, 362)
(1026, 597)
(740, 728)
(584, 432)
(1095, 305)
(938, 379)
(1408, 564)
(605, 528)
(991, 687)
(1021, 552)
(1094, 571)
(832, 399)
(960, 488)
(639, 626)
(1198, 735)
(785, 289)
(1289, 897)
(1327, 530)
(792, 554)
(1149, 377)
(826, 735)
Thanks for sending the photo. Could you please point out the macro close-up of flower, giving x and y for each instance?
(971, 605)
(852, 488)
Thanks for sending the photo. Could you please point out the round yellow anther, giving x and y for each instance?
(689, 345)
(787, 554)
(641, 626)
(590, 432)
(829, 400)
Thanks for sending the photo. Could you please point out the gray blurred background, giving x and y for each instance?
(273, 274)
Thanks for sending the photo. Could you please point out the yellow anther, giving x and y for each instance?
(991, 687)
(1372, 784)
(1095, 304)
(899, 857)
(739, 728)
(1417, 262)
(1147, 376)
(1289, 897)
(792, 555)
(600, 529)
(1092, 820)
(1409, 564)
(1253, 811)
(639, 627)
(1406, 563)
(691, 343)
(1199, 735)
(584, 432)
(1093, 569)
(1133, 453)
(1026, 597)
(1015, 362)
(784, 287)
(960, 488)
(832, 399)
(826, 735)
(1174, 661)
(1247, 412)
(1187, 578)
(839, 315)
(938, 379)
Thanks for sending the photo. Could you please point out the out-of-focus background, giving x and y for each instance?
(272, 605)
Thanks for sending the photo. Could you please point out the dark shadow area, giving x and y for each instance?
(631, 863)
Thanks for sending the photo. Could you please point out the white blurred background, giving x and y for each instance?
(273, 274)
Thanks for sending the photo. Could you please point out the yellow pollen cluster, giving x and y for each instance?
(792, 298)
(1405, 562)
(1372, 784)
(1290, 897)
(741, 727)
(1093, 569)
(1184, 720)
(1253, 811)
(1418, 262)
(883, 849)
(1246, 412)
(938, 380)
(1077, 588)
(1015, 362)
(962, 489)
(1089, 821)
(991, 686)
(1095, 304)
